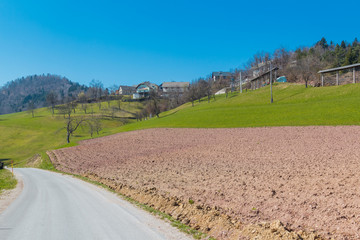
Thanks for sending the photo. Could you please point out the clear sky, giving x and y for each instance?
(127, 42)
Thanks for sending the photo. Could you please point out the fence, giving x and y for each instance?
(341, 75)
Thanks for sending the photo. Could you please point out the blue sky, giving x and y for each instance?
(127, 42)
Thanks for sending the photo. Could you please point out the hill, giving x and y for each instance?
(16, 95)
(24, 139)
(294, 105)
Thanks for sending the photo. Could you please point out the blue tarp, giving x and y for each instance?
(281, 79)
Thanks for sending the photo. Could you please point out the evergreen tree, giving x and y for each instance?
(355, 43)
(343, 44)
(348, 57)
(323, 43)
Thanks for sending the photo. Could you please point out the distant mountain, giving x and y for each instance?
(31, 91)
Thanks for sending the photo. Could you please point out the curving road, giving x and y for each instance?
(56, 206)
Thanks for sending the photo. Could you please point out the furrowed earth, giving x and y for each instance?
(239, 183)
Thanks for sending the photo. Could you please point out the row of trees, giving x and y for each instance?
(22, 93)
(89, 120)
(198, 89)
(72, 123)
(304, 63)
(299, 65)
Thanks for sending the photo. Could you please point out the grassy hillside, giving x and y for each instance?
(7, 180)
(294, 105)
(23, 136)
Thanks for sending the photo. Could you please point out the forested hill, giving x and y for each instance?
(31, 91)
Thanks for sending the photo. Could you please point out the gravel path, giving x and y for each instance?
(306, 177)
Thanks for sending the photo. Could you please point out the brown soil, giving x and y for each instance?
(306, 177)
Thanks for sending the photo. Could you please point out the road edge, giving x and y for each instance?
(7, 197)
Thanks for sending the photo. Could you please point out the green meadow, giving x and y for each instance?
(294, 105)
(7, 180)
(22, 136)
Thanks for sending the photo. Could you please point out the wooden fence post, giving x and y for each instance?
(354, 79)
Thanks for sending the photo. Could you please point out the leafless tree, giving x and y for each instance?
(192, 93)
(118, 101)
(51, 99)
(307, 68)
(31, 108)
(96, 89)
(113, 111)
(113, 89)
(94, 125)
(72, 124)
(83, 100)
(64, 110)
(84, 107)
(73, 105)
(154, 105)
(202, 87)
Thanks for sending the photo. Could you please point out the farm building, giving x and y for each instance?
(264, 79)
(126, 90)
(340, 75)
(228, 76)
(170, 88)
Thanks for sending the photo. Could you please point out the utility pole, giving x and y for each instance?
(271, 101)
(240, 83)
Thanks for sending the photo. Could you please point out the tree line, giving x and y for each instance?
(303, 64)
(31, 92)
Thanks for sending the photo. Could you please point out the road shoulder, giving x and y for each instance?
(8, 196)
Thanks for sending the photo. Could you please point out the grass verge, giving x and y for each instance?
(7, 180)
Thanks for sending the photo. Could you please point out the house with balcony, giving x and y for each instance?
(143, 90)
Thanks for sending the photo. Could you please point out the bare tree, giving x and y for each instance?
(113, 89)
(84, 107)
(64, 110)
(73, 105)
(308, 67)
(31, 108)
(202, 86)
(281, 58)
(227, 90)
(208, 89)
(94, 125)
(113, 111)
(138, 116)
(154, 103)
(71, 124)
(51, 99)
(192, 93)
(107, 97)
(96, 89)
(83, 100)
(118, 101)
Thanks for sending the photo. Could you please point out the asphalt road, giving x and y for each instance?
(56, 206)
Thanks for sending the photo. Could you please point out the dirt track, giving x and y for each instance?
(306, 177)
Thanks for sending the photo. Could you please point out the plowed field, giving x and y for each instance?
(306, 177)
